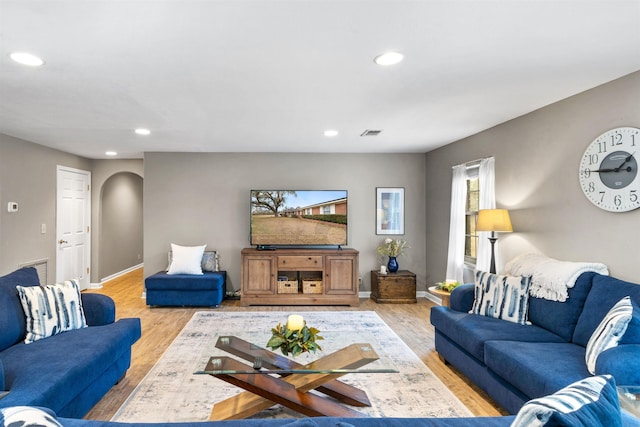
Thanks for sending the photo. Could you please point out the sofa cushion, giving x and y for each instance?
(12, 319)
(632, 334)
(588, 402)
(51, 309)
(561, 317)
(186, 259)
(605, 292)
(470, 331)
(23, 416)
(608, 332)
(185, 282)
(501, 297)
(536, 369)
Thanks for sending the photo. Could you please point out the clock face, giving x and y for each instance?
(609, 170)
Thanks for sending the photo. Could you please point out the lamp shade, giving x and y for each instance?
(493, 220)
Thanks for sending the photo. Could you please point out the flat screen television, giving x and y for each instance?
(298, 218)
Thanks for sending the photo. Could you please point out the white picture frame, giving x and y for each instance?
(390, 210)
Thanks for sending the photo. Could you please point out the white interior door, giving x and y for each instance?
(73, 225)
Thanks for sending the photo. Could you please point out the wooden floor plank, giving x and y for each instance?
(161, 325)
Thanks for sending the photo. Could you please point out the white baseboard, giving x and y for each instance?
(419, 294)
(95, 285)
(120, 273)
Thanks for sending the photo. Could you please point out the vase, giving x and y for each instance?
(392, 265)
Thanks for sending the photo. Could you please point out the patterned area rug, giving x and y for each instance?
(171, 392)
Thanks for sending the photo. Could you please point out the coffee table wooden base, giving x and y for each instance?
(292, 391)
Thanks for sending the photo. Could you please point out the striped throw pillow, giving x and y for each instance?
(502, 297)
(51, 309)
(609, 331)
(24, 416)
(589, 402)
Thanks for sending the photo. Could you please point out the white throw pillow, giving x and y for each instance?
(186, 259)
(609, 331)
(502, 297)
(27, 416)
(51, 309)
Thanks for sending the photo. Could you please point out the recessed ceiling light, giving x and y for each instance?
(389, 58)
(25, 58)
(142, 131)
(330, 133)
(111, 153)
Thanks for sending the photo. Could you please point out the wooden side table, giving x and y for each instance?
(442, 294)
(398, 287)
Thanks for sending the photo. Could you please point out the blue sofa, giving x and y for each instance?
(514, 363)
(189, 290)
(69, 372)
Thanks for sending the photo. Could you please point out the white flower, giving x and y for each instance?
(387, 241)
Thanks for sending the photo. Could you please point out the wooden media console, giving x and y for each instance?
(323, 277)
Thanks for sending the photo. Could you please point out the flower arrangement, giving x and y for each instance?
(294, 337)
(392, 247)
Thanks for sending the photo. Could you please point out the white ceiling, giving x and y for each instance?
(272, 75)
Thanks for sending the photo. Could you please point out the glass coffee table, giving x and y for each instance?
(630, 399)
(270, 379)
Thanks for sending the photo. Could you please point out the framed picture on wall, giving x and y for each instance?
(389, 210)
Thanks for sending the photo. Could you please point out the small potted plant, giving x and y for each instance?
(392, 248)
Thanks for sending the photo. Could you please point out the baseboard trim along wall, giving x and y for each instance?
(118, 274)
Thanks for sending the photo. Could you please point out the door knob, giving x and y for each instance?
(62, 241)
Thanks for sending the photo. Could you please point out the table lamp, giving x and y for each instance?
(493, 220)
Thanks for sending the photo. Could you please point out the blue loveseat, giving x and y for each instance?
(69, 372)
(514, 363)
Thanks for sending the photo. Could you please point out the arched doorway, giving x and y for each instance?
(121, 228)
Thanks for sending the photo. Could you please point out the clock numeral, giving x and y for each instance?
(586, 173)
(633, 196)
(633, 140)
(616, 139)
(593, 159)
(602, 147)
(617, 200)
(592, 187)
(602, 193)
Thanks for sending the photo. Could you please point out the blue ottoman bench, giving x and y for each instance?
(189, 290)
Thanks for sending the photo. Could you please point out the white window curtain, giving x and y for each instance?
(486, 181)
(455, 254)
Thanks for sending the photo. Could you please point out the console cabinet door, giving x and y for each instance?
(258, 275)
(341, 275)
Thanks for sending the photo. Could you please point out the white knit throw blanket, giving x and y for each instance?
(550, 278)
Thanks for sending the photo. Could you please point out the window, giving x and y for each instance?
(471, 216)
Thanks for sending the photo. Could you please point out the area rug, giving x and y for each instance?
(172, 392)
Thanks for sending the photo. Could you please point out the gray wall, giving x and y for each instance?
(537, 158)
(198, 198)
(28, 176)
(120, 223)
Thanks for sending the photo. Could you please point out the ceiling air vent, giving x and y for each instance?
(371, 132)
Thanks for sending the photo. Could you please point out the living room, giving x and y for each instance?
(194, 198)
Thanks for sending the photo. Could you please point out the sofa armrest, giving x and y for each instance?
(462, 297)
(98, 309)
(622, 362)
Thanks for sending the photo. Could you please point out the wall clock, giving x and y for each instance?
(609, 170)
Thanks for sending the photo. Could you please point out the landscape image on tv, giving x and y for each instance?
(307, 217)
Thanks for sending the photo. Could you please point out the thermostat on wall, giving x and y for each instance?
(12, 207)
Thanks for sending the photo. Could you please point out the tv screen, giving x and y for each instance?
(298, 217)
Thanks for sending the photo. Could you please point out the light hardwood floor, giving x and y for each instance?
(161, 325)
